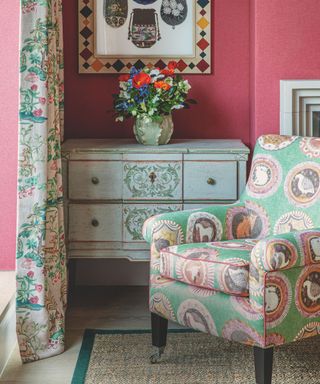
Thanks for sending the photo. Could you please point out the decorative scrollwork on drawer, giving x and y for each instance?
(152, 179)
(134, 217)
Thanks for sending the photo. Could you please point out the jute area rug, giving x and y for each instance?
(122, 357)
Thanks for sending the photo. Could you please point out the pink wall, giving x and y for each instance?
(223, 109)
(257, 43)
(287, 41)
(9, 32)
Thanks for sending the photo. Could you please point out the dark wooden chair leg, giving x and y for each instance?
(159, 328)
(263, 359)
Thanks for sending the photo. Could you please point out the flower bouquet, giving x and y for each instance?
(149, 96)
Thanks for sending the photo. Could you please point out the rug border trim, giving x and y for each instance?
(82, 365)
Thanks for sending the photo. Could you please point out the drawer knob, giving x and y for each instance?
(211, 181)
(95, 223)
(95, 180)
(152, 177)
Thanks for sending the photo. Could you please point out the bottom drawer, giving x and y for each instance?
(188, 206)
(134, 215)
(95, 222)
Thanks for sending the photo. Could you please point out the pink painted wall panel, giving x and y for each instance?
(223, 97)
(9, 32)
(239, 100)
(287, 41)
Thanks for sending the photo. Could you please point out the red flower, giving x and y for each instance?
(42, 100)
(30, 274)
(34, 299)
(124, 77)
(167, 72)
(37, 112)
(172, 65)
(34, 87)
(141, 79)
(38, 287)
(163, 85)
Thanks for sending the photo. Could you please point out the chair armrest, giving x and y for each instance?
(181, 221)
(278, 252)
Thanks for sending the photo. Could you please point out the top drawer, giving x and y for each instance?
(95, 180)
(210, 180)
(152, 180)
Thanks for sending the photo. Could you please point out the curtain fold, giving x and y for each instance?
(41, 253)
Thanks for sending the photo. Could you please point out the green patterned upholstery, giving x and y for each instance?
(210, 265)
(283, 187)
(271, 241)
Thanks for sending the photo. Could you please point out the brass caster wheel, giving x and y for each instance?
(156, 356)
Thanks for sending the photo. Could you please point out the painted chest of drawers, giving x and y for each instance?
(113, 186)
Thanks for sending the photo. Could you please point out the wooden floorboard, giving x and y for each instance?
(91, 307)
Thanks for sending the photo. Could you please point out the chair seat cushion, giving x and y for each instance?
(220, 266)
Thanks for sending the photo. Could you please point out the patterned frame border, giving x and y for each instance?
(91, 64)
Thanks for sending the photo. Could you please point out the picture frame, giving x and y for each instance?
(147, 32)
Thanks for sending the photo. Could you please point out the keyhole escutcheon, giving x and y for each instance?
(152, 177)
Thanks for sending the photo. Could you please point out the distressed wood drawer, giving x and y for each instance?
(189, 206)
(111, 187)
(208, 180)
(152, 180)
(134, 215)
(95, 222)
(95, 180)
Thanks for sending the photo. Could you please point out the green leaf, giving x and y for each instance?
(23, 68)
(191, 101)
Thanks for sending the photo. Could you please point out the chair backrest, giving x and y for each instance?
(283, 189)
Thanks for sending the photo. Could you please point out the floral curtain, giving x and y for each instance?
(41, 255)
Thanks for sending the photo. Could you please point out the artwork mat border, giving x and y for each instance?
(147, 60)
(137, 57)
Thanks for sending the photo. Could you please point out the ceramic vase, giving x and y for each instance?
(149, 132)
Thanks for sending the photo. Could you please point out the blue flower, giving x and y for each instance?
(122, 106)
(134, 71)
(138, 99)
(144, 91)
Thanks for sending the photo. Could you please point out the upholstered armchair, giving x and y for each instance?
(248, 272)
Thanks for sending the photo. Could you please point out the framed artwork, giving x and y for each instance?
(114, 35)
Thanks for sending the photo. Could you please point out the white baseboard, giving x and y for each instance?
(8, 336)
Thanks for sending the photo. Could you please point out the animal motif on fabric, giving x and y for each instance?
(238, 278)
(313, 290)
(315, 248)
(115, 12)
(204, 232)
(278, 296)
(250, 222)
(305, 184)
(308, 292)
(244, 228)
(203, 227)
(302, 184)
(261, 175)
(273, 300)
(195, 315)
